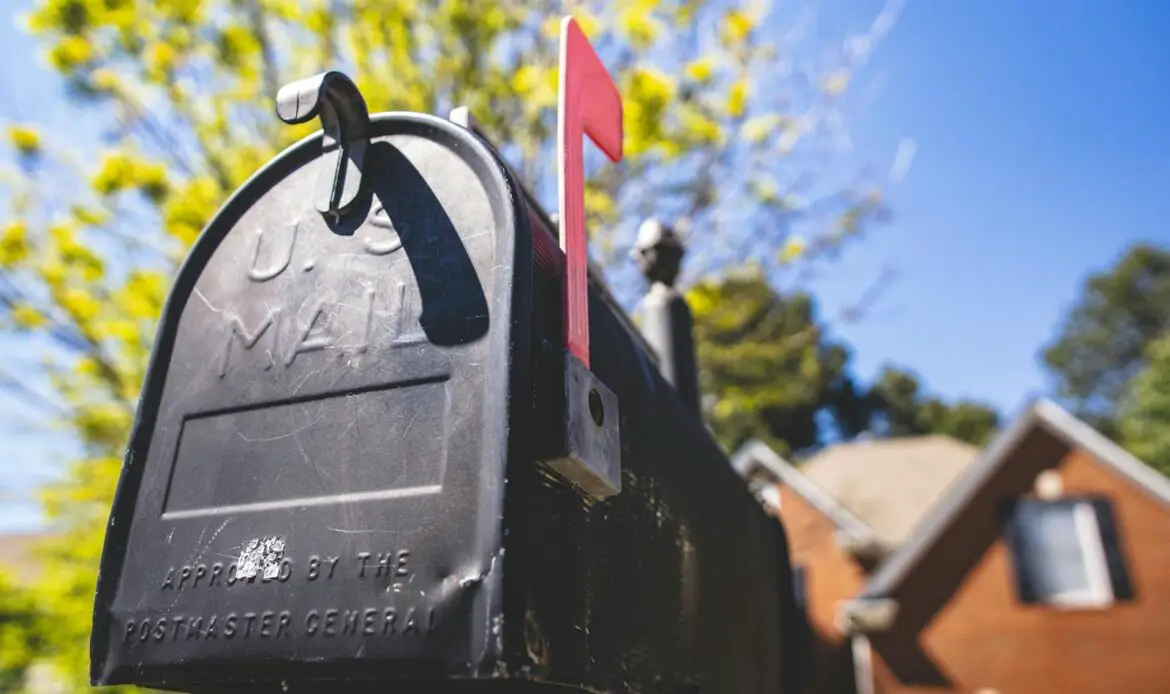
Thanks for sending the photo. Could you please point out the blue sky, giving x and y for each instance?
(1041, 155)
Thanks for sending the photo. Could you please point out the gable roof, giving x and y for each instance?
(890, 484)
(757, 453)
(873, 490)
(1055, 421)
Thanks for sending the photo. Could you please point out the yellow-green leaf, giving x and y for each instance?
(25, 316)
(70, 53)
(80, 305)
(638, 25)
(160, 60)
(756, 130)
(115, 173)
(794, 247)
(700, 70)
(187, 211)
(835, 83)
(24, 139)
(14, 245)
(737, 97)
(698, 126)
(737, 25)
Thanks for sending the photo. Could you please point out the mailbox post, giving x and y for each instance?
(666, 318)
(371, 454)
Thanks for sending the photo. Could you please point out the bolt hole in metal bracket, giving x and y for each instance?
(589, 104)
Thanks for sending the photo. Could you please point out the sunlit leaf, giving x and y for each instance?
(25, 140)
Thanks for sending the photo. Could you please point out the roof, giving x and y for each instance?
(761, 454)
(890, 484)
(1054, 420)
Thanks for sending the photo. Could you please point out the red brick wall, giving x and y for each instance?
(830, 576)
(982, 637)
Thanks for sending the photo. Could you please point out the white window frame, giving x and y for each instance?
(1099, 591)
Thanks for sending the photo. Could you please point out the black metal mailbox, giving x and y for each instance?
(342, 472)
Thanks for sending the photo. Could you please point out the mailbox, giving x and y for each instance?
(367, 450)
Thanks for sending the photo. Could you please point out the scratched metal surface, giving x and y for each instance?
(333, 476)
(316, 475)
(680, 583)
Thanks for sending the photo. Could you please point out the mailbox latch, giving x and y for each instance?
(345, 121)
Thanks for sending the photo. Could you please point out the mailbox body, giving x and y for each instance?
(334, 476)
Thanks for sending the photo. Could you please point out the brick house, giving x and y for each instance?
(1038, 564)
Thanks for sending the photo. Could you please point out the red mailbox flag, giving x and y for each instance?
(589, 104)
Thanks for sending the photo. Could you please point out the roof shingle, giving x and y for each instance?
(890, 484)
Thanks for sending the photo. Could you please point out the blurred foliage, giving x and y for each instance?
(22, 633)
(1110, 359)
(722, 127)
(765, 365)
(770, 372)
(898, 406)
(1104, 341)
(1143, 418)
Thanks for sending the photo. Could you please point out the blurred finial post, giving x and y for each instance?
(666, 318)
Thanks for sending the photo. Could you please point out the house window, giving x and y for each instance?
(1066, 553)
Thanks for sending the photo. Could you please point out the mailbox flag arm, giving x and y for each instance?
(345, 121)
(590, 104)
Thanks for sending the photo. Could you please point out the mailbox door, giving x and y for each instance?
(315, 481)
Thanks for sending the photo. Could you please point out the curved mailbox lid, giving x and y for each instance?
(314, 483)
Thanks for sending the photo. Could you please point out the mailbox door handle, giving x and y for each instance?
(345, 121)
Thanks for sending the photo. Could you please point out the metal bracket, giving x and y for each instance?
(590, 454)
(463, 117)
(345, 121)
